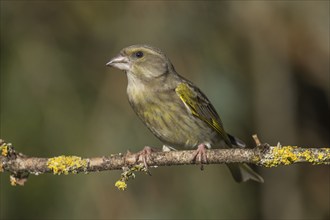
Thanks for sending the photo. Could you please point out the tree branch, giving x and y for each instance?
(20, 165)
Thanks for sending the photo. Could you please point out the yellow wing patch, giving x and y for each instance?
(199, 106)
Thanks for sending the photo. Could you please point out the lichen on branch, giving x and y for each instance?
(20, 166)
(286, 155)
(67, 164)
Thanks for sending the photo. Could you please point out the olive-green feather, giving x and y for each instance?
(200, 107)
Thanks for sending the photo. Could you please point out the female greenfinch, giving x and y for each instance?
(173, 108)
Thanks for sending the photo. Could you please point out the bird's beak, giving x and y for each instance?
(120, 62)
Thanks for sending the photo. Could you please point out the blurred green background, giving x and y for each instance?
(263, 64)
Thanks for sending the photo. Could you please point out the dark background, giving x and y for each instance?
(264, 65)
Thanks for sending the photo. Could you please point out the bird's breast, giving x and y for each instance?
(168, 119)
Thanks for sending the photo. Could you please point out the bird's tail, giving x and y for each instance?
(243, 172)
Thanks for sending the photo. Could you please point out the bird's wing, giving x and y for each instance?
(199, 106)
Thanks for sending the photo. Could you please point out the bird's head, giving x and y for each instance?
(142, 61)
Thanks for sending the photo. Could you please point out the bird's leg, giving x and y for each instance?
(200, 155)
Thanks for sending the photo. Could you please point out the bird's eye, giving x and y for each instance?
(139, 54)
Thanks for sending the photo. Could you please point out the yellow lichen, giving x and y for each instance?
(66, 164)
(17, 181)
(256, 159)
(327, 156)
(121, 185)
(4, 150)
(307, 155)
(320, 156)
(281, 156)
(13, 181)
(315, 158)
(287, 155)
(128, 174)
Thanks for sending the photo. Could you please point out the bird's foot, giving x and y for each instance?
(144, 156)
(200, 155)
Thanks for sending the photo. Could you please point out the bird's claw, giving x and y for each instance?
(144, 155)
(200, 155)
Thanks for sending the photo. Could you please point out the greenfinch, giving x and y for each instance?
(173, 108)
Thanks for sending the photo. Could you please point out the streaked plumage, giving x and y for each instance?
(174, 110)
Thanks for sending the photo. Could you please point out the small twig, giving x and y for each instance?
(256, 139)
